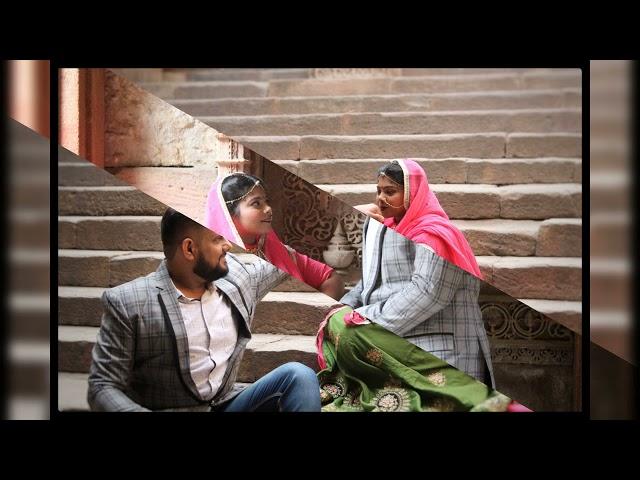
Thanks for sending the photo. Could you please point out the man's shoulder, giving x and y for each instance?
(240, 267)
(132, 289)
(244, 268)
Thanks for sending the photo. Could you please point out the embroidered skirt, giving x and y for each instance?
(369, 368)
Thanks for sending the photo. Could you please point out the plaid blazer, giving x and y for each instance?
(418, 295)
(141, 357)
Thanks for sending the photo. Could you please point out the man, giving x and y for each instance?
(173, 340)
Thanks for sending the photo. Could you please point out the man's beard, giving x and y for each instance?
(206, 271)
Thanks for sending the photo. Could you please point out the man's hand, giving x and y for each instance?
(372, 210)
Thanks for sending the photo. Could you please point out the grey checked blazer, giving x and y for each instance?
(422, 297)
(141, 357)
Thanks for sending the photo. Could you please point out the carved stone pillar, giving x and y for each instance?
(231, 157)
(339, 253)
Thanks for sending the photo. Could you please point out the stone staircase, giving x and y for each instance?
(108, 234)
(502, 149)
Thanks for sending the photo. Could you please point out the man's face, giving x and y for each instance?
(211, 263)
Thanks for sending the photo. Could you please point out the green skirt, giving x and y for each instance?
(370, 369)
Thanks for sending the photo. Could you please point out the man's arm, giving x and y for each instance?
(267, 276)
(433, 285)
(113, 356)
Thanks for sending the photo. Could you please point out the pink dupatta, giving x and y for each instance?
(425, 219)
(218, 219)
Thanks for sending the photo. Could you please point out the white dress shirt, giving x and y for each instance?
(212, 336)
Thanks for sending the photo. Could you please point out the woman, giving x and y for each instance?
(406, 204)
(238, 209)
(406, 291)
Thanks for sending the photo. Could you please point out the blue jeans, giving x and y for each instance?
(292, 387)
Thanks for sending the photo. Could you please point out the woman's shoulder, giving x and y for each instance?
(431, 242)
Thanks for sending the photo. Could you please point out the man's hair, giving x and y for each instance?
(174, 228)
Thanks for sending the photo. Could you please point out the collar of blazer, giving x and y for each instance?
(228, 285)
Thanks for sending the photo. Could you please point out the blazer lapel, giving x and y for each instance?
(173, 319)
(231, 291)
(232, 286)
(374, 264)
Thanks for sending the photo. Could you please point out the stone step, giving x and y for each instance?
(426, 84)
(29, 278)
(365, 86)
(29, 366)
(110, 233)
(28, 407)
(401, 123)
(291, 313)
(80, 306)
(547, 278)
(267, 352)
(29, 316)
(104, 268)
(28, 190)
(78, 174)
(245, 74)
(554, 237)
(72, 392)
(471, 201)
(497, 100)
(561, 237)
(101, 201)
(610, 235)
(479, 145)
(496, 171)
(611, 282)
(285, 313)
(30, 227)
(215, 89)
(264, 352)
(421, 72)
(28, 380)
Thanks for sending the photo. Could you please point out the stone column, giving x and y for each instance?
(82, 112)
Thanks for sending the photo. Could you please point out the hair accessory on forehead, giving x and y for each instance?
(382, 174)
(243, 196)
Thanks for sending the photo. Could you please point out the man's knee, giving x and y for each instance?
(300, 373)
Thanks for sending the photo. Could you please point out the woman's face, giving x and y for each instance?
(253, 216)
(390, 198)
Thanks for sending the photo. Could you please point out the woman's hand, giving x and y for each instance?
(372, 210)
